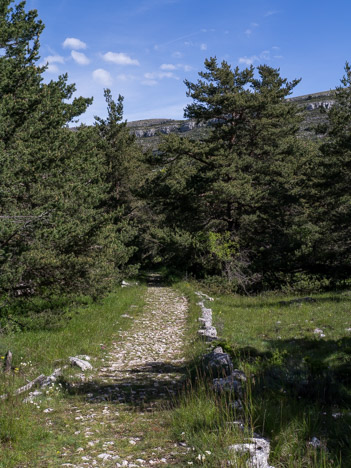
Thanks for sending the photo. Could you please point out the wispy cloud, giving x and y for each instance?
(250, 30)
(270, 13)
(180, 38)
(124, 77)
(52, 68)
(203, 46)
(168, 66)
(160, 75)
(264, 55)
(80, 58)
(119, 58)
(178, 66)
(74, 43)
(149, 82)
(177, 54)
(50, 61)
(248, 60)
(102, 76)
(54, 59)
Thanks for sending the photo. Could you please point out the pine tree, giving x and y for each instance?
(332, 213)
(237, 194)
(53, 235)
(125, 171)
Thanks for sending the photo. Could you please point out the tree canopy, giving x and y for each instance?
(251, 201)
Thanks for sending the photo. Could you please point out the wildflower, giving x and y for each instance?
(2, 357)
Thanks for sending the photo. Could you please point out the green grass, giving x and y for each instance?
(299, 383)
(24, 428)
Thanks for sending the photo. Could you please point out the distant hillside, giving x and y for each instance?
(149, 132)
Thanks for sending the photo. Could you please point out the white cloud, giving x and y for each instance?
(160, 75)
(172, 67)
(248, 60)
(149, 82)
(248, 32)
(265, 55)
(203, 46)
(52, 68)
(80, 58)
(74, 43)
(177, 54)
(119, 58)
(102, 76)
(54, 59)
(50, 61)
(168, 66)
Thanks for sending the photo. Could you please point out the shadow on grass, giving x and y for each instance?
(300, 389)
(293, 303)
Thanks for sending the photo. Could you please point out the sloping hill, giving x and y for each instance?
(149, 132)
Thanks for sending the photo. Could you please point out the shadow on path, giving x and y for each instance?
(150, 387)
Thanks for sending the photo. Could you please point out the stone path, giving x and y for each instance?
(123, 415)
(148, 365)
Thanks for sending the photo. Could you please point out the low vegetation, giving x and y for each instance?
(296, 353)
(25, 435)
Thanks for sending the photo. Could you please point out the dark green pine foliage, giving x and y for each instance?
(53, 236)
(234, 199)
(124, 177)
(332, 213)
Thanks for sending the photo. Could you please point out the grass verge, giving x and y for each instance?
(25, 428)
(297, 357)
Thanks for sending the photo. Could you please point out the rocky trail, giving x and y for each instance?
(120, 415)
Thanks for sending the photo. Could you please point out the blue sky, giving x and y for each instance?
(144, 49)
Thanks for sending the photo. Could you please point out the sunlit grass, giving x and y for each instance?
(90, 331)
(299, 385)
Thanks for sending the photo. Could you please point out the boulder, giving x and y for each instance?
(232, 383)
(217, 363)
(83, 365)
(258, 449)
(208, 333)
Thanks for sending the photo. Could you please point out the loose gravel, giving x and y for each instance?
(123, 416)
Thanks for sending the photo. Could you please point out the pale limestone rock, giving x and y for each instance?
(83, 365)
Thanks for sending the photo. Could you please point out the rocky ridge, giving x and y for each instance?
(149, 132)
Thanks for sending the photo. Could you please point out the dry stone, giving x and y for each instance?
(81, 363)
(217, 363)
(258, 449)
